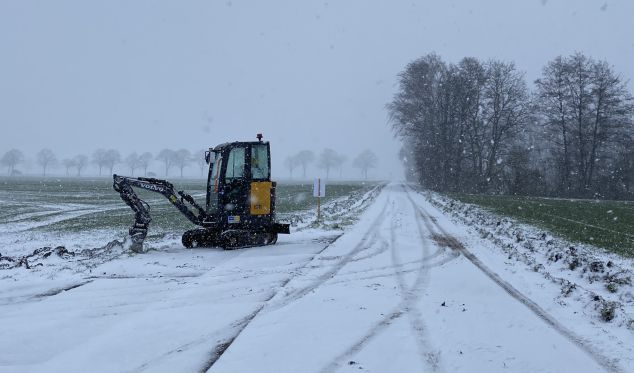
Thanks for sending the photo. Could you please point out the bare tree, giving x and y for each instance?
(132, 160)
(304, 158)
(182, 158)
(46, 158)
(505, 109)
(11, 159)
(199, 157)
(610, 119)
(291, 162)
(472, 128)
(624, 170)
(415, 114)
(365, 161)
(470, 146)
(552, 100)
(341, 159)
(167, 157)
(328, 159)
(144, 161)
(521, 177)
(459, 121)
(81, 161)
(112, 158)
(591, 108)
(68, 164)
(99, 157)
(406, 156)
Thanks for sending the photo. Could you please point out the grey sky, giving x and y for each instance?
(144, 75)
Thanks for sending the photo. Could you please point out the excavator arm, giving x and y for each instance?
(124, 186)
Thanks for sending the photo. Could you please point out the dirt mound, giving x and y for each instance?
(42, 255)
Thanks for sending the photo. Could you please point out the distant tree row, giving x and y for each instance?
(45, 158)
(476, 127)
(329, 160)
(106, 159)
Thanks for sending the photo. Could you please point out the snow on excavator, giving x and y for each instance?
(240, 203)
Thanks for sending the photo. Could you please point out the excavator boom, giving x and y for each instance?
(124, 186)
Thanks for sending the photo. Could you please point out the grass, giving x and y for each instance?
(606, 224)
(102, 208)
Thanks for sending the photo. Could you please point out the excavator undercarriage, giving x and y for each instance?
(240, 200)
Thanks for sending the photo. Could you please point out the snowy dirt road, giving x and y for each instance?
(403, 290)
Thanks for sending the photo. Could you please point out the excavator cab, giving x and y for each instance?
(240, 193)
(240, 202)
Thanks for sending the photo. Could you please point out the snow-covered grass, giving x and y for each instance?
(596, 279)
(606, 224)
(83, 213)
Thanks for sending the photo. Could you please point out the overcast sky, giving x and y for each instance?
(146, 75)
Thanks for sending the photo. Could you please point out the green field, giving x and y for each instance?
(606, 224)
(98, 206)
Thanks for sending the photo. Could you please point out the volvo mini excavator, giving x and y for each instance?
(240, 203)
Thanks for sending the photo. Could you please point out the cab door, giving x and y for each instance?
(213, 182)
(235, 188)
(262, 189)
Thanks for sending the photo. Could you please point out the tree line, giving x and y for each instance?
(138, 164)
(107, 159)
(477, 127)
(329, 160)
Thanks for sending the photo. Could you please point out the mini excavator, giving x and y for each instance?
(240, 203)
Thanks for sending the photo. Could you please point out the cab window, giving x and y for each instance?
(260, 162)
(215, 171)
(235, 164)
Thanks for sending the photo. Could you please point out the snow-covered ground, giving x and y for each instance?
(599, 280)
(403, 289)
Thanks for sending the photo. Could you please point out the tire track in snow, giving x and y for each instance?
(388, 270)
(364, 244)
(391, 273)
(410, 296)
(41, 296)
(382, 247)
(293, 296)
(239, 327)
(608, 364)
(222, 345)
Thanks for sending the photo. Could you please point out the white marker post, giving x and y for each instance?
(319, 191)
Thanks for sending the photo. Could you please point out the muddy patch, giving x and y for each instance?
(62, 257)
(447, 241)
(34, 259)
(54, 292)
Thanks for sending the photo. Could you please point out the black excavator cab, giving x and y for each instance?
(240, 202)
